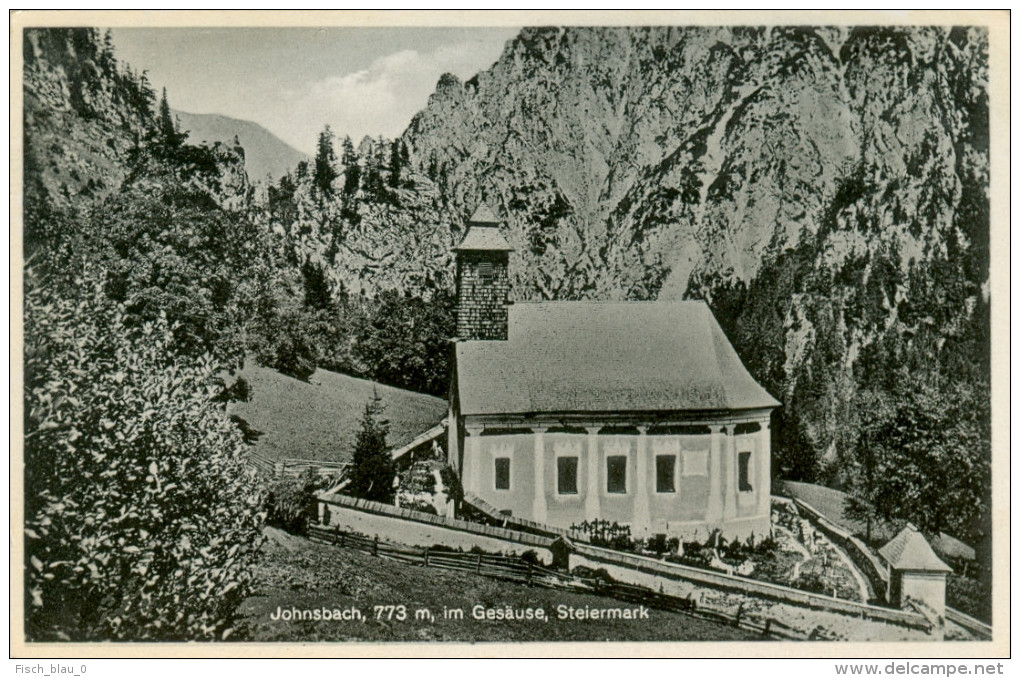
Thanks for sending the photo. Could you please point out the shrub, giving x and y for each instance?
(657, 544)
(291, 504)
(141, 519)
(695, 554)
(766, 547)
(811, 582)
(421, 507)
(531, 556)
(969, 596)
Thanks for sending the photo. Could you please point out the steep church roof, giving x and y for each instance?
(909, 550)
(577, 356)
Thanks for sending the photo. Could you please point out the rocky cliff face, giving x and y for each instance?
(85, 115)
(825, 189)
(81, 116)
(628, 160)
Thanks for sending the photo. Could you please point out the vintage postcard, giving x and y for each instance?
(510, 334)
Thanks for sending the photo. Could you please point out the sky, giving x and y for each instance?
(294, 81)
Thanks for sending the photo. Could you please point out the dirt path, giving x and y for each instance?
(867, 593)
(805, 555)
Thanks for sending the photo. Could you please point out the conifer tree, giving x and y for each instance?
(396, 162)
(325, 162)
(372, 469)
(167, 130)
(352, 170)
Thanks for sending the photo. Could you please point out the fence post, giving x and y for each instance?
(478, 565)
(342, 535)
(531, 568)
(336, 535)
(426, 556)
(768, 627)
(375, 546)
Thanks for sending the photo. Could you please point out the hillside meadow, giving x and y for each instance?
(318, 419)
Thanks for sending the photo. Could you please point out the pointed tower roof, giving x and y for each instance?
(484, 215)
(909, 550)
(483, 233)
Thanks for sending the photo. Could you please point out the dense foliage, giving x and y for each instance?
(922, 456)
(141, 520)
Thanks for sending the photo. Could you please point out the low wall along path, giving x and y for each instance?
(757, 602)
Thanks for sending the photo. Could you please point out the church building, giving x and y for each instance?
(635, 412)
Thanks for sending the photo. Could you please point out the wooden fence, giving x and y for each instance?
(292, 468)
(522, 571)
(262, 465)
(406, 514)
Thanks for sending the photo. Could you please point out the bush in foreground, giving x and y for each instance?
(141, 520)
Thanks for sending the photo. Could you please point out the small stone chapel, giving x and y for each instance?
(635, 412)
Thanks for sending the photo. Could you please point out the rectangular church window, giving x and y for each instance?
(744, 472)
(502, 473)
(616, 475)
(566, 475)
(485, 272)
(665, 473)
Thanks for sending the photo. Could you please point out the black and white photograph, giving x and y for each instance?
(397, 333)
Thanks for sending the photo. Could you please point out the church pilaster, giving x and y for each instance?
(716, 477)
(539, 509)
(592, 502)
(642, 512)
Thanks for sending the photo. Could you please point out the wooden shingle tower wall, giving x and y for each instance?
(483, 279)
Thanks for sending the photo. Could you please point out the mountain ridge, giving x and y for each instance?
(265, 154)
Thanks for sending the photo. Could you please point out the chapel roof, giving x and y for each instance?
(582, 356)
(909, 550)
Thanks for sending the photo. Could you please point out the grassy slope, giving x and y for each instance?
(319, 419)
(297, 572)
(830, 503)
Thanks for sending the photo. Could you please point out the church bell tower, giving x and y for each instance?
(483, 279)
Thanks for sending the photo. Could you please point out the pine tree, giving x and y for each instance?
(372, 469)
(352, 170)
(325, 162)
(167, 130)
(396, 162)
